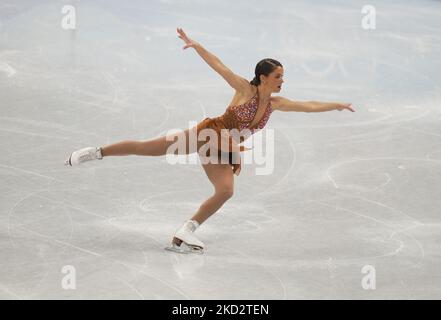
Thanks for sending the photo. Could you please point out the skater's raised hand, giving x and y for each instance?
(189, 43)
(343, 106)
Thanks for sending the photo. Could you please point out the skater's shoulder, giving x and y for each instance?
(243, 96)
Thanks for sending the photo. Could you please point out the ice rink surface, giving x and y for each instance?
(348, 190)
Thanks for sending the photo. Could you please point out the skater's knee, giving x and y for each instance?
(225, 192)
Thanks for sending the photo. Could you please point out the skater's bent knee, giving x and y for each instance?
(225, 192)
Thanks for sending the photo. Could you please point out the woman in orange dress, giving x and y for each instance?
(249, 110)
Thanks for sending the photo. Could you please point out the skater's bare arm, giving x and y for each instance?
(284, 104)
(236, 82)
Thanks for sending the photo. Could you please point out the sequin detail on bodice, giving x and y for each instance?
(241, 116)
(238, 117)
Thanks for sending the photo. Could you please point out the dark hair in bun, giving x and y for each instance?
(265, 67)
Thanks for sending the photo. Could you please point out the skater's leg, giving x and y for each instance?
(222, 178)
(178, 143)
(122, 148)
(153, 147)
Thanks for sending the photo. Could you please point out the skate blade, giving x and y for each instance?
(184, 248)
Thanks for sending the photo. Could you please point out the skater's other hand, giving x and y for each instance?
(189, 43)
(343, 106)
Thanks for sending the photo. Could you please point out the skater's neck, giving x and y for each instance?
(264, 93)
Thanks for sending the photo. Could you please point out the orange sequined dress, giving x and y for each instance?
(238, 117)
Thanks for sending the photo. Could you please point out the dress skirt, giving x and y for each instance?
(226, 145)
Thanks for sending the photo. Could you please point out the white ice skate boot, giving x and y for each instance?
(184, 240)
(83, 155)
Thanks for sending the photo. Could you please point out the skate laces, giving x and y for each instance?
(98, 153)
(86, 156)
(90, 155)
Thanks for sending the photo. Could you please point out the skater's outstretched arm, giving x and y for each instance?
(284, 104)
(236, 82)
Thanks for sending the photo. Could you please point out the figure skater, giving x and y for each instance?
(250, 109)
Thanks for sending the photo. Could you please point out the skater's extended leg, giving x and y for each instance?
(179, 143)
(154, 147)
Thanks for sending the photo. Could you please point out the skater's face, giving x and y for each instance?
(274, 80)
